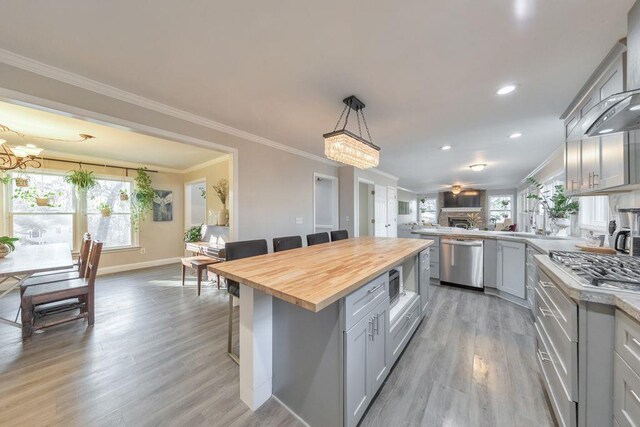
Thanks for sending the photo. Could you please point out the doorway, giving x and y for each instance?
(325, 203)
(365, 208)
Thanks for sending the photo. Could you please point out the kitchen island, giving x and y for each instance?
(317, 331)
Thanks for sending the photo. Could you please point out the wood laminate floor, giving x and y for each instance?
(157, 356)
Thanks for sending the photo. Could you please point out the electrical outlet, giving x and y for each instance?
(298, 220)
(143, 251)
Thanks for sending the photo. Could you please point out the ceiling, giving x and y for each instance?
(427, 69)
(110, 144)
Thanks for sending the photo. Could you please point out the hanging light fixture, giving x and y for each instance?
(19, 157)
(456, 189)
(348, 148)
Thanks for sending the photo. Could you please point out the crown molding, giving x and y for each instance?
(45, 70)
(388, 175)
(211, 162)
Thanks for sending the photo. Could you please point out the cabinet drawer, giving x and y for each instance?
(434, 253)
(564, 409)
(362, 301)
(563, 308)
(402, 330)
(435, 269)
(425, 256)
(627, 341)
(626, 394)
(562, 352)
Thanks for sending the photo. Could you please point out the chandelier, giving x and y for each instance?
(19, 157)
(456, 189)
(348, 148)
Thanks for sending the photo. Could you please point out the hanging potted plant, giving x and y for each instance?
(82, 179)
(142, 198)
(222, 191)
(7, 245)
(22, 181)
(124, 196)
(32, 197)
(105, 209)
(5, 178)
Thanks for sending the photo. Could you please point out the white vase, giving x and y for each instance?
(4, 250)
(223, 216)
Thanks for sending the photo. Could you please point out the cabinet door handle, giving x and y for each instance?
(635, 396)
(372, 290)
(544, 356)
(377, 324)
(546, 313)
(590, 180)
(595, 184)
(635, 341)
(370, 327)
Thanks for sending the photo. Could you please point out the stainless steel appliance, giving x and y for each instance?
(621, 241)
(394, 287)
(630, 219)
(604, 271)
(461, 262)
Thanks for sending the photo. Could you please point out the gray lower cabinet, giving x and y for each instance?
(434, 255)
(626, 381)
(366, 361)
(425, 279)
(511, 268)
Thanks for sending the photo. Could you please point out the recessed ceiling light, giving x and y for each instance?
(635, 108)
(445, 147)
(606, 131)
(504, 90)
(477, 168)
(515, 135)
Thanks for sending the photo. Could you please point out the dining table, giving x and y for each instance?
(28, 260)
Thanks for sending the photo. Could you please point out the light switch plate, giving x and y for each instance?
(298, 220)
(347, 218)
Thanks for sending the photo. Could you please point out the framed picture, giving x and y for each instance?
(162, 205)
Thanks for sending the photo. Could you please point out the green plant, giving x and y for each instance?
(105, 209)
(222, 190)
(5, 178)
(558, 205)
(28, 195)
(203, 192)
(9, 241)
(82, 179)
(193, 234)
(142, 200)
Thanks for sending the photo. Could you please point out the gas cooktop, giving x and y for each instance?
(603, 271)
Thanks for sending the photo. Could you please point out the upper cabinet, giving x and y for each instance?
(600, 163)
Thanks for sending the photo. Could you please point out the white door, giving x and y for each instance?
(380, 211)
(392, 212)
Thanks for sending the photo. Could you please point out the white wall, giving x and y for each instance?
(324, 202)
(274, 186)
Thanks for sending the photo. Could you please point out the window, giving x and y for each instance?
(52, 223)
(500, 208)
(428, 210)
(113, 230)
(36, 223)
(594, 213)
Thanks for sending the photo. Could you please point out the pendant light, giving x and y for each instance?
(348, 148)
(456, 189)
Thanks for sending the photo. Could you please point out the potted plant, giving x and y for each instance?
(124, 196)
(32, 198)
(7, 245)
(475, 220)
(5, 178)
(142, 200)
(105, 209)
(222, 191)
(81, 179)
(193, 234)
(559, 207)
(22, 181)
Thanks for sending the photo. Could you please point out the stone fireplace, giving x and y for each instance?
(451, 217)
(459, 221)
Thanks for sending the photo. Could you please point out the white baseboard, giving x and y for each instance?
(137, 265)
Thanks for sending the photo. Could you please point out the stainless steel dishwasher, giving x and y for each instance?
(461, 262)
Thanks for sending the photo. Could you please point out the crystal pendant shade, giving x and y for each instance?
(345, 147)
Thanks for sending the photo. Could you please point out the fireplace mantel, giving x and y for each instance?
(464, 210)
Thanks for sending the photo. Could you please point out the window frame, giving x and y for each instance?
(510, 209)
(587, 215)
(433, 197)
(80, 223)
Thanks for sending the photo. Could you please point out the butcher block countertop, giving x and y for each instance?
(315, 277)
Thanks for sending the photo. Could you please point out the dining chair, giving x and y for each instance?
(339, 235)
(77, 272)
(37, 302)
(317, 238)
(286, 243)
(239, 250)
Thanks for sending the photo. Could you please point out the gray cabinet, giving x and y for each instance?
(572, 163)
(511, 268)
(490, 259)
(626, 382)
(366, 361)
(590, 164)
(425, 281)
(434, 255)
(612, 165)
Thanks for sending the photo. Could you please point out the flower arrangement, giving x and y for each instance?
(222, 190)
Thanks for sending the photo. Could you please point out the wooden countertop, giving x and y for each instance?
(315, 277)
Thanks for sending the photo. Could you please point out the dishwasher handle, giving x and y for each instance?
(461, 242)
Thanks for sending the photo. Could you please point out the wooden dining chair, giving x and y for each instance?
(40, 301)
(77, 272)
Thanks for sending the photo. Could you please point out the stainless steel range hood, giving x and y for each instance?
(620, 112)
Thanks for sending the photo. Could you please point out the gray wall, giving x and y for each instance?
(412, 198)
(275, 186)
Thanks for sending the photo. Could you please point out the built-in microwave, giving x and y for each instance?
(394, 287)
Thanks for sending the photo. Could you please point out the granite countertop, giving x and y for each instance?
(627, 301)
(543, 245)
